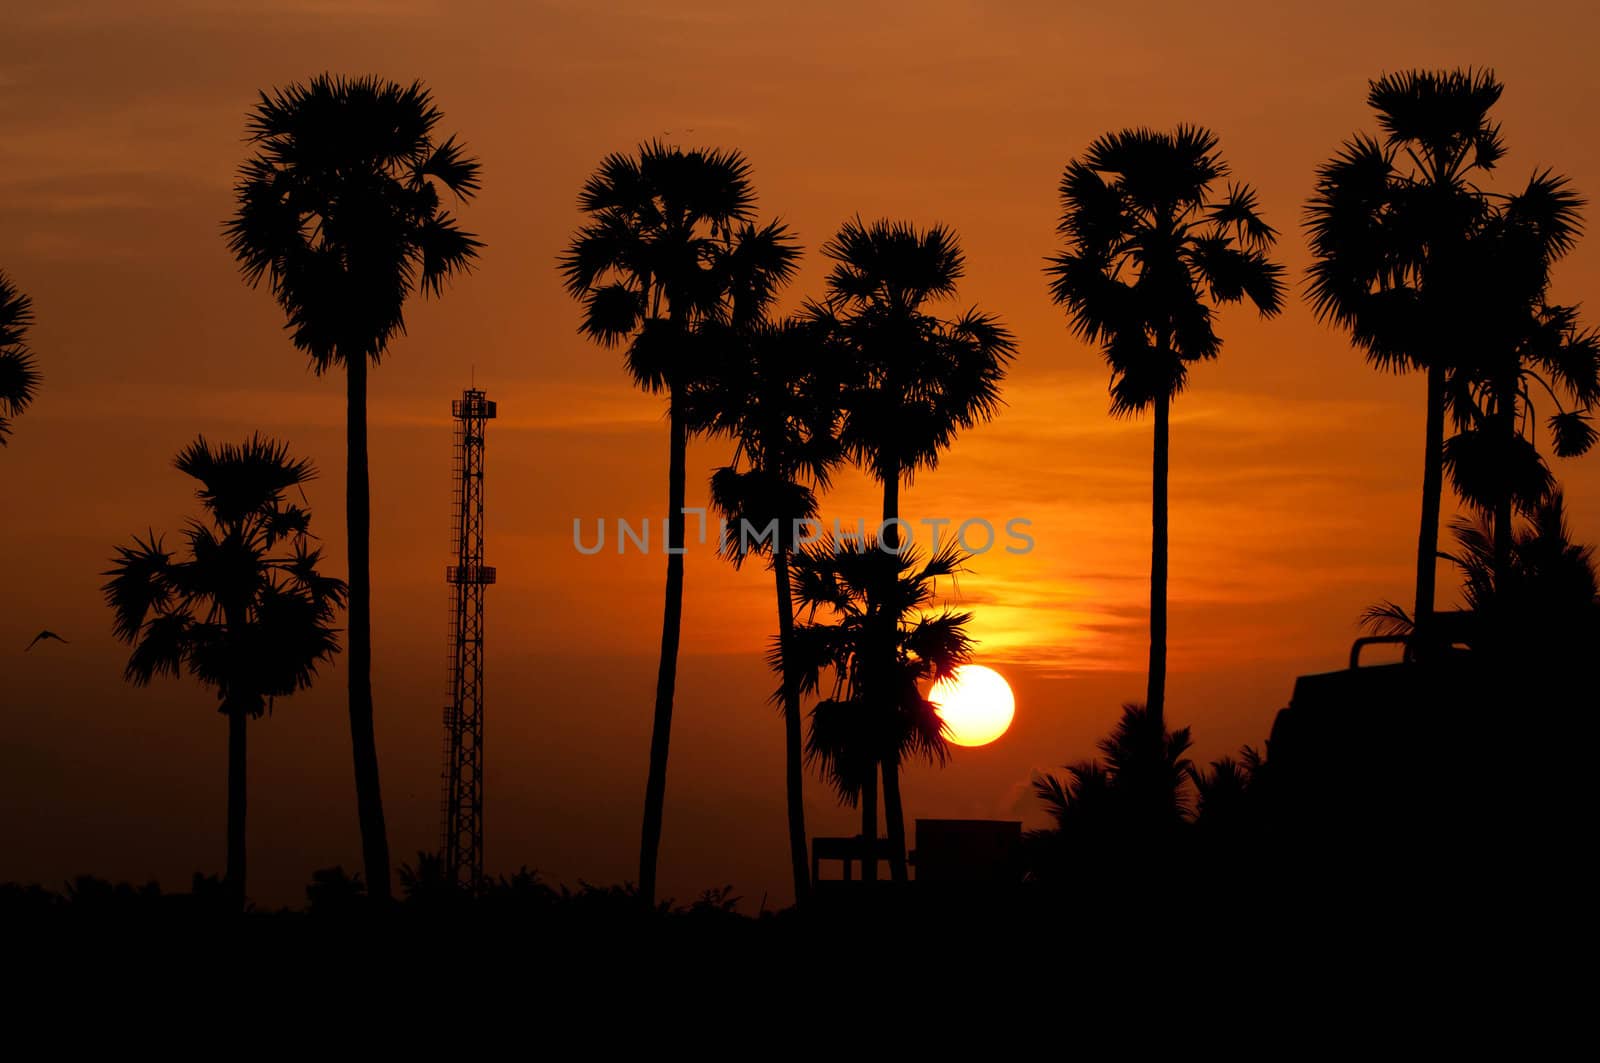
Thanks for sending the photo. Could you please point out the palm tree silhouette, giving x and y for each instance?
(775, 390)
(244, 609)
(19, 379)
(1151, 249)
(1129, 806)
(340, 210)
(883, 644)
(917, 380)
(670, 247)
(1147, 765)
(1389, 227)
(1523, 341)
(1225, 793)
(1544, 607)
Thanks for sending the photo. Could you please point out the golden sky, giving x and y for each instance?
(1295, 468)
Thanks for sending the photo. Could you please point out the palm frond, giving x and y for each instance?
(1572, 433)
(160, 649)
(140, 582)
(243, 480)
(16, 313)
(19, 373)
(1387, 618)
(451, 166)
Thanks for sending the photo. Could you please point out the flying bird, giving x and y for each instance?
(46, 635)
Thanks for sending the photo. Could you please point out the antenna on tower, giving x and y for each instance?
(462, 845)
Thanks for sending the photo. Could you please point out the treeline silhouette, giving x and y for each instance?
(425, 891)
(342, 211)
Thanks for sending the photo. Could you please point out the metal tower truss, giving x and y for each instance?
(462, 844)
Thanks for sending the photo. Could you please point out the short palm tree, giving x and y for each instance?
(1542, 608)
(776, 393)
(1133, 801)
(19, 379)
(1390, 226)
(917, 379)
(1152, 248)
(880, 648)
(1148, 766)
(1552, 594)
(244, 608)
(1226, 793)
(669, 248)
(1141, 778)
(340, 210)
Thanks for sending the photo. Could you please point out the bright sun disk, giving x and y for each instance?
(975, 703)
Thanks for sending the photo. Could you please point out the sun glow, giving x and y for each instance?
(975, 703)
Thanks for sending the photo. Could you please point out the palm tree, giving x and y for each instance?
(775, 392)
(883, 646)
(1151, 250)
(670, 247)
(1521, 341)
(19, 380)
(244, 609)
(1389, 226)
(917, 380)
(1542, 608)
(1147, 766)
(1134, 802)
(1079, 800)
(340, 210)
(1225, 793)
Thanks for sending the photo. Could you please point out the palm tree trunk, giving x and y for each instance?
(236, 808)
(1432, 488)
(894, 817)
(655, 791)
(894, 820)
(869, 828)
(358, 524)
(1156, 692)
(1506, 416)
(891, 510)
(794, 775)
(1502, 543)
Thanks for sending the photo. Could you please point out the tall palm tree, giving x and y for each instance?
(19, 379)
(883, 645)
(1389, 227)
(776, 392)
(918, 379)
(340, 209)
(244, 609)
(1152, 249)
(670, 247)
(1521, 340)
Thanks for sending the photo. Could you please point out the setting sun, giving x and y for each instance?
(975, 703)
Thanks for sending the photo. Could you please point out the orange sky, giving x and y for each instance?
(1294, 466)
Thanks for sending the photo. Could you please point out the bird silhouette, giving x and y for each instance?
(45, 635)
